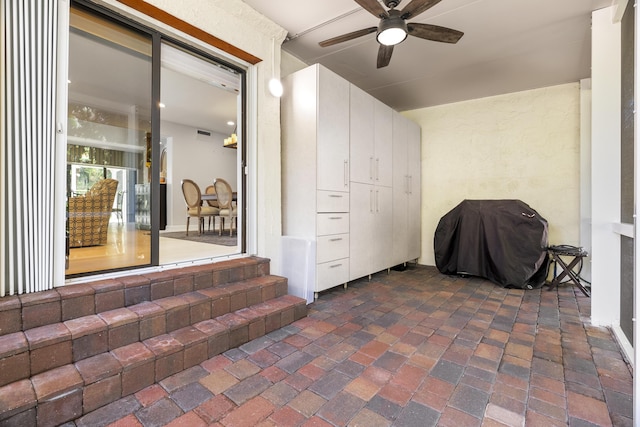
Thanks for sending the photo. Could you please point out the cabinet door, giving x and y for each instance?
(361, 135)
(414, 196)
(381, 257)
(332, 132)
(400, 189)
(383, 145)
(361, 223)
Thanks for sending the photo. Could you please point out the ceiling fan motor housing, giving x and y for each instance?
(393, 23)
(391, 3)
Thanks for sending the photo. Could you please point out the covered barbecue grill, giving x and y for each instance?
(504, 241)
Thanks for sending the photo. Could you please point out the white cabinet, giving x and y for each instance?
(315, 170)
(370, 139)
(383, 138)
(350, 180)
(406, 190)
(371, 156)
(370, 231)
(414, 193)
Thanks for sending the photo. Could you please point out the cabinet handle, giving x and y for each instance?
(406, 184)
(371, 168)
(335, 217)
(377, 200)
(335, 196)
(410, 184)
(371, 202)
(346, 173)
(335, 266)
(378, 169)
(335, 240)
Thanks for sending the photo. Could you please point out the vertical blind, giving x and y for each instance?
(27, 122)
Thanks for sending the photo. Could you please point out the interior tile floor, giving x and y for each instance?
(128, 246)
(408, 348)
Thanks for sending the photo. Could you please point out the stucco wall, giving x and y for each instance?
(521, 145)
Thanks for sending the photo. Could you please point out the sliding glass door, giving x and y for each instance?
(109, 124)
(145, 114)
(200, 109)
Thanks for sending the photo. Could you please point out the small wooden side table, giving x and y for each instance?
(575, 256)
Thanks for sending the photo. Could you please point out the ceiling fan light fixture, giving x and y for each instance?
(392, 30)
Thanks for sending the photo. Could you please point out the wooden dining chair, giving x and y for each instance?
(225, 204)
(193, 198)
(213, 203)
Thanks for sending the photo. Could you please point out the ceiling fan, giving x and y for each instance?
(393, 28)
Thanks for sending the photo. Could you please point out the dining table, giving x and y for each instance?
(214, 197)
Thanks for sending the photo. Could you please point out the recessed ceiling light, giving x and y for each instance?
(161, 105)
(231, 123)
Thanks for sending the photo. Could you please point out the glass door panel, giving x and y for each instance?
(109, 128)
(200, 110)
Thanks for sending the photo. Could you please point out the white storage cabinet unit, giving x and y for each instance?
(370, 152)
(341, 179)
(406, 190)
(315, 164)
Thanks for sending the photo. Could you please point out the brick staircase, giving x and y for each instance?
(69, 351)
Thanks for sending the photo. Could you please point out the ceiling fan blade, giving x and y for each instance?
(348, 36)
(416, 7)
(384, 55)
(373, 7)
(434, 33)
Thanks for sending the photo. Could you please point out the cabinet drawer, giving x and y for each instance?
(332, 201)
(333, 223)
(332, 247)
(332, 274)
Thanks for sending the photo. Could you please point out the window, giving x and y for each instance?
(130, 146)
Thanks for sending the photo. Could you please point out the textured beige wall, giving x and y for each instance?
(522, 145)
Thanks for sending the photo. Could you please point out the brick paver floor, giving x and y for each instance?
(408, 348)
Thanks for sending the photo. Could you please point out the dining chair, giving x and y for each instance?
(118, 209)
(211, 190)
(89, 214)
(213, 203)
(193, 198)
(225, 204)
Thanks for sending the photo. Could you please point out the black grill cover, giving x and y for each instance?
(503, 241)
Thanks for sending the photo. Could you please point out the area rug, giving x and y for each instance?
(210, 237)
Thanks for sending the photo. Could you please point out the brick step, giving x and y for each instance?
(66, 392)
(19, 313)
(28, 353)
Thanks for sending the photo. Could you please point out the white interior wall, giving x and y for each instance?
(199, 158)
(522, 145)
(605, 168)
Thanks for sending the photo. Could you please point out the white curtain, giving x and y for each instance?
(27, 148)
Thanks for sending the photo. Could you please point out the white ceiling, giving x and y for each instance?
(116, 78)
(508, 46)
